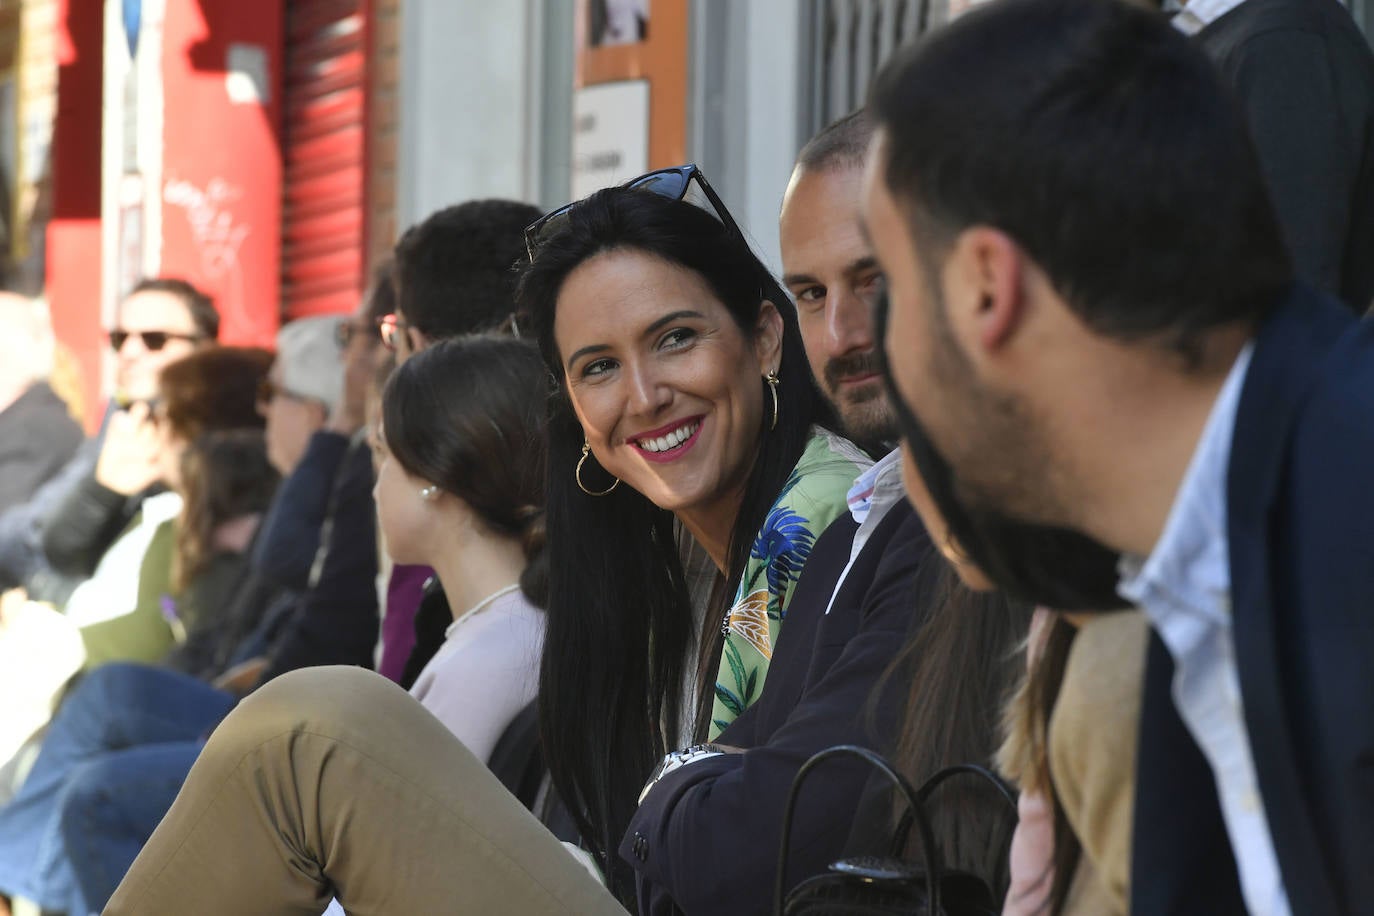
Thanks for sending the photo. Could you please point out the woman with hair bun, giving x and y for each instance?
(460, 488)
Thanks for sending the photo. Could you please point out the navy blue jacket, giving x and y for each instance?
(1301, 531)
(705, 840)
(335, 621)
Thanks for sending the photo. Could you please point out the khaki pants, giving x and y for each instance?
(335, 782)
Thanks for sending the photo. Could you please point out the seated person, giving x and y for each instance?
(53, 541)
(112, 700)
(195, 561)
(471, 504)
(212, 389)
(37, 433)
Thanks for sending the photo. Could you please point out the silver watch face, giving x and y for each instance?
(676, 760)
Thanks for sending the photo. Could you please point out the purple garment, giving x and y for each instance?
(398, 624)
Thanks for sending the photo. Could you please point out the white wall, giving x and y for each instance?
(471, 103)
(744, 128)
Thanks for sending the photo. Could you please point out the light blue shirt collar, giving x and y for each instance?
(1199, 14)
(1190, 564)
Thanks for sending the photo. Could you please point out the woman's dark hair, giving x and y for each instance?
(963, 661)
(214, 388)
(225, 474)
(620, 621)
(467, 415)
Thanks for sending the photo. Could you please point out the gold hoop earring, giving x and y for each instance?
(577, 474)
(772, 380)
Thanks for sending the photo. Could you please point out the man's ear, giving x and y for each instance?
(986, 274)
(768, 337)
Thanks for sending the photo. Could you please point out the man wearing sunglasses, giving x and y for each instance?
(56, 538)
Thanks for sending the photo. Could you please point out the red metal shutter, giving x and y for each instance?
(324, 145)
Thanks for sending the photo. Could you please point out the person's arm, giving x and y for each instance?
(21, 527)
(94, 514)
(706, 836)
(83, 526)
(336, 621)
(289, 537)
(1309, 157)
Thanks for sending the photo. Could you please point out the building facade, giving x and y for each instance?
(271, 151)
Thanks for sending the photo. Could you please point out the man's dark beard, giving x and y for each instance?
(1055, 567)
(847, 367)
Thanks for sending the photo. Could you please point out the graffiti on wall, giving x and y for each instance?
(218, 234)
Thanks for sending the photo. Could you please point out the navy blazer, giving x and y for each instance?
(705, 840)
(1301, 529)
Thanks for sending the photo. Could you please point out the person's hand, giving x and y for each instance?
(128, 462)
(243, 677)
(351, 412)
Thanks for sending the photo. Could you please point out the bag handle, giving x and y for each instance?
(938, 779)
(915, 814)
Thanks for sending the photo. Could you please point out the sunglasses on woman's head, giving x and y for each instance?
(672, 183)
(152, 340)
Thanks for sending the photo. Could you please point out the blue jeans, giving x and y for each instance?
(114, 708)
(112, 806)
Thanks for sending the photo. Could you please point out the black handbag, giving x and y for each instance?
(889, 885)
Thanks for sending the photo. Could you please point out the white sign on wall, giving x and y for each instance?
(610, 142)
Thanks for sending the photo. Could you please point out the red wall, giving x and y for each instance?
(73, 234)
(221, 181)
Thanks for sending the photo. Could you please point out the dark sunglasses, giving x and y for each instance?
(152, 340)
(388, 327)
(345, 331)
(672, 183)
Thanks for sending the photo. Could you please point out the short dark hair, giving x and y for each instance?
(455, 272)
(1106, 145)
(198, 303)
(840, 144)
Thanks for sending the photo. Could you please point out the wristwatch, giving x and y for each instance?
(676, 761)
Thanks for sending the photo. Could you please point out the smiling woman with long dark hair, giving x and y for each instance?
(682, 374)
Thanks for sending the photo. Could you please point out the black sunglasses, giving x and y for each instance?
(672, 183)
(152, 340)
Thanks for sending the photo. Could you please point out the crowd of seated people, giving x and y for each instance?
(533, 585)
